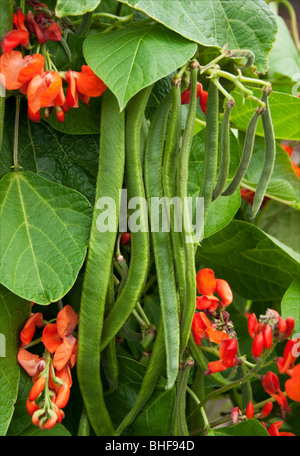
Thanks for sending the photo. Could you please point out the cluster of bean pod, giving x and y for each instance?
(154, 167)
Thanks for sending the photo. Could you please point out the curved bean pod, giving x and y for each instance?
(225, 151)
(140, 244)
(270, 156)
(161, 239)
(98, 267)
(246, 155)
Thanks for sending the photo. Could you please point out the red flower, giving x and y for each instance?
(18, 71)
(83, 85)
(227, 353)
(207, 285)
(250, 410)
(43, 27)
(58, 338)
(203, 329)
(292, 385)
(273, 430)
(272, 386)
(33, 364)
(44, 90)
(201, 94)
(267, 408)
(288, 359)
(18, 36)
(289, 150)
(27, 333)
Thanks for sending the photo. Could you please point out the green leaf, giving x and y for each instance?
(290, 304)
(14, 311)
(249, 428)
(9, 381)
(247, 25)
(256, 265)
(155, 417)
(222, 210)
(70, 160)
(84, 120)
(57, 431)
(277, 219)
(284, 111)
(75, 7)
(284, 58)
(284, 184)
(135, 57)
(44, 235)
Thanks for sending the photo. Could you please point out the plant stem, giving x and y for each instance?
(202, 410)
(16, 134)
(293, 18)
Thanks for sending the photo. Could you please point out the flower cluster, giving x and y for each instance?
(273, 430)
(35, 76)
(201, 94)
(270, 326)
(220, 330)
(51, 373)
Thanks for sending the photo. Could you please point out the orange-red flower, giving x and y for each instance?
(58, 338)
(201, 94)
(33, 364)
(292, 385)
(273, 430)
(83, 85)
(227, 353)
(289, 150)
(289, 356)
(44, 27)
(207, 285)
(19, 70)
(203, 329)
(44, 90)
(27, 333)
(271, 385)
(17, 37)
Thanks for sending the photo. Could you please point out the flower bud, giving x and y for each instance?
(250, 410)
(268, 336)
(37, 388)
(258, 345)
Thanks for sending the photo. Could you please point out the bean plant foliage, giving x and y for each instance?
(144, 322)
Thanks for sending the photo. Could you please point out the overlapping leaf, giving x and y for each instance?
(44, 234)
(75, 7)
(241, 24)
(132, 58)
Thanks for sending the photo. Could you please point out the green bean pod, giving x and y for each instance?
(155, 366)
(98, 266)
(180, 423)
(246, 155)
(170, 170)
(211, 147)
(140, 244)
(161, 238)
(270, 156)
(225, 151)
(189, 305)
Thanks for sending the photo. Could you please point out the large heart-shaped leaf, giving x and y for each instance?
(75, 7)
(257, 266)
(70, 160)
(44, 234)
(241, 24)
(9, 380)
(132, 58)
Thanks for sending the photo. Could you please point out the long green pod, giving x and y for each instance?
(246, 155)
(188, 309)
(170, 170)
(211, 148)
(270, 155)
(140, 244)
(180, 424)
(225, 151)
(98, 266)
(161, 238)
(154, 369)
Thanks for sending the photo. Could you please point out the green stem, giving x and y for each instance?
(202, 410)
(293, 18)
(16, 133)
